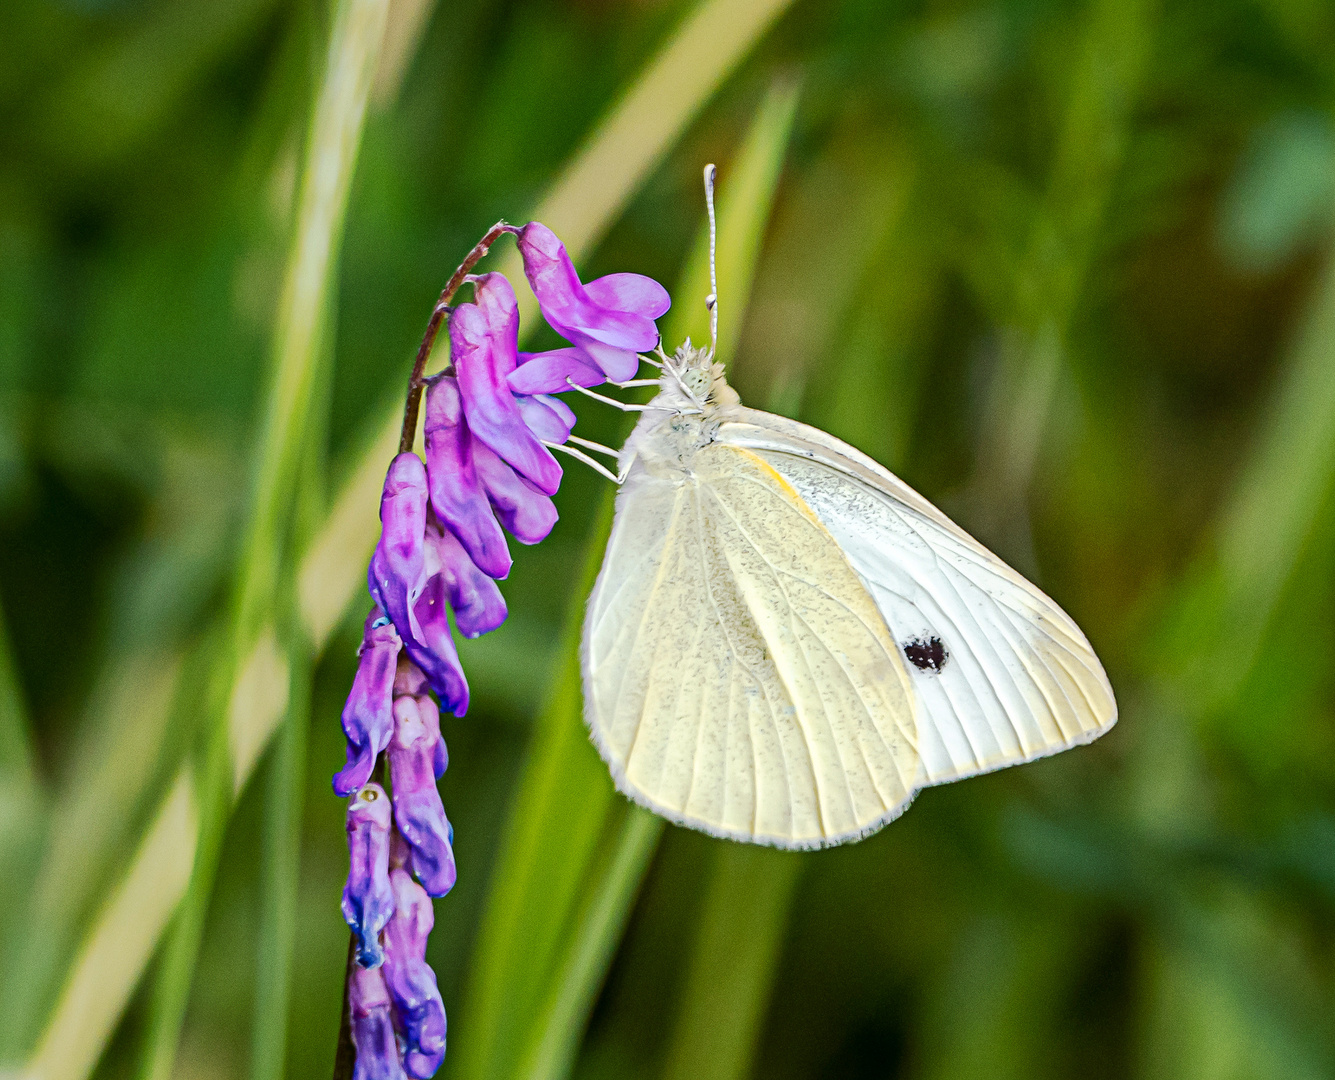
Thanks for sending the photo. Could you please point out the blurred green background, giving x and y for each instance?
(1064, 266)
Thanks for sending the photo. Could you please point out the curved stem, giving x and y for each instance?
(438, 313)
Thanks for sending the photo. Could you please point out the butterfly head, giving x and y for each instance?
(692, 380)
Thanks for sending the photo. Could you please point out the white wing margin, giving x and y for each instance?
(738, 678)
(1013, 678)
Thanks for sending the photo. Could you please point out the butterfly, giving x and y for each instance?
(786, 642)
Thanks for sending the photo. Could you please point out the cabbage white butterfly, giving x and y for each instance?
(785, 641)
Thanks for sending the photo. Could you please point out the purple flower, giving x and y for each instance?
(483, 347)
(395, 576)
(525, 511)
(553, 372)
(399, 578)
(457, 493)
(373, 1027)
(609, 321)
(368, 901)
(473, 596)
(411, 982)
(418, 812)
(471, 486)
(368, 716)
(433, 649)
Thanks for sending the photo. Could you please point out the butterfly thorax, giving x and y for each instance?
(683, 417)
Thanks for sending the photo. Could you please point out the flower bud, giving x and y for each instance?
(368, 901)
(368, 716)
(373, 1027)
(411, 982)
(418, 811)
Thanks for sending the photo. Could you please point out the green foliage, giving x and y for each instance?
(1066, 267)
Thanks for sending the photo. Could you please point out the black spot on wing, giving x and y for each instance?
(926, 654)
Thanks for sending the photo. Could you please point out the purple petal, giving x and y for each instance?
(567, 305)
(546, 420)
(525, 511)
(411, 982)
(474, 598)
(368, 718)
(547, 372)
(434, 651)
(482, 347)
(373, 1027)
(551, 274)
(615, 361)
(635, 293)
(417, 808)
(456, 492)
(430, 715)
(564, 411)
(395, 576)
(368, 901)
(411, 682)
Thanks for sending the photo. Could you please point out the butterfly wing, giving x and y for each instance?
(1002, 674)
(738, 677)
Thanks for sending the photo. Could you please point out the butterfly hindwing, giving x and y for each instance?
(738, 675)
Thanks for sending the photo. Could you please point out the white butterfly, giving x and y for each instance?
(786, 642)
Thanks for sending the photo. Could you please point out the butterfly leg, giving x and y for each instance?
(579, 455)
(599, 447)
(623, 406)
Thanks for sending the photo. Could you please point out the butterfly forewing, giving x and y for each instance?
(1001, 673)
(738, 675)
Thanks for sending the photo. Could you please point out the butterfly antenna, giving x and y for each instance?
(711, 301)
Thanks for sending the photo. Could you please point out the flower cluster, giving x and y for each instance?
(489, 470)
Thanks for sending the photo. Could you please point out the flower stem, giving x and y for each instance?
(438, 313)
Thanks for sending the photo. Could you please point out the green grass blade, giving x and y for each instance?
(733, 963)
(284, 801)
(589, 952)
(1280, 492)
(17, 773)
(21, 833)
(556, 881)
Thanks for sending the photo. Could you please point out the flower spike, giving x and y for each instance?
(491, 423)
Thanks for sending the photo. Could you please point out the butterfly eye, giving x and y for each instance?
(695, 379)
